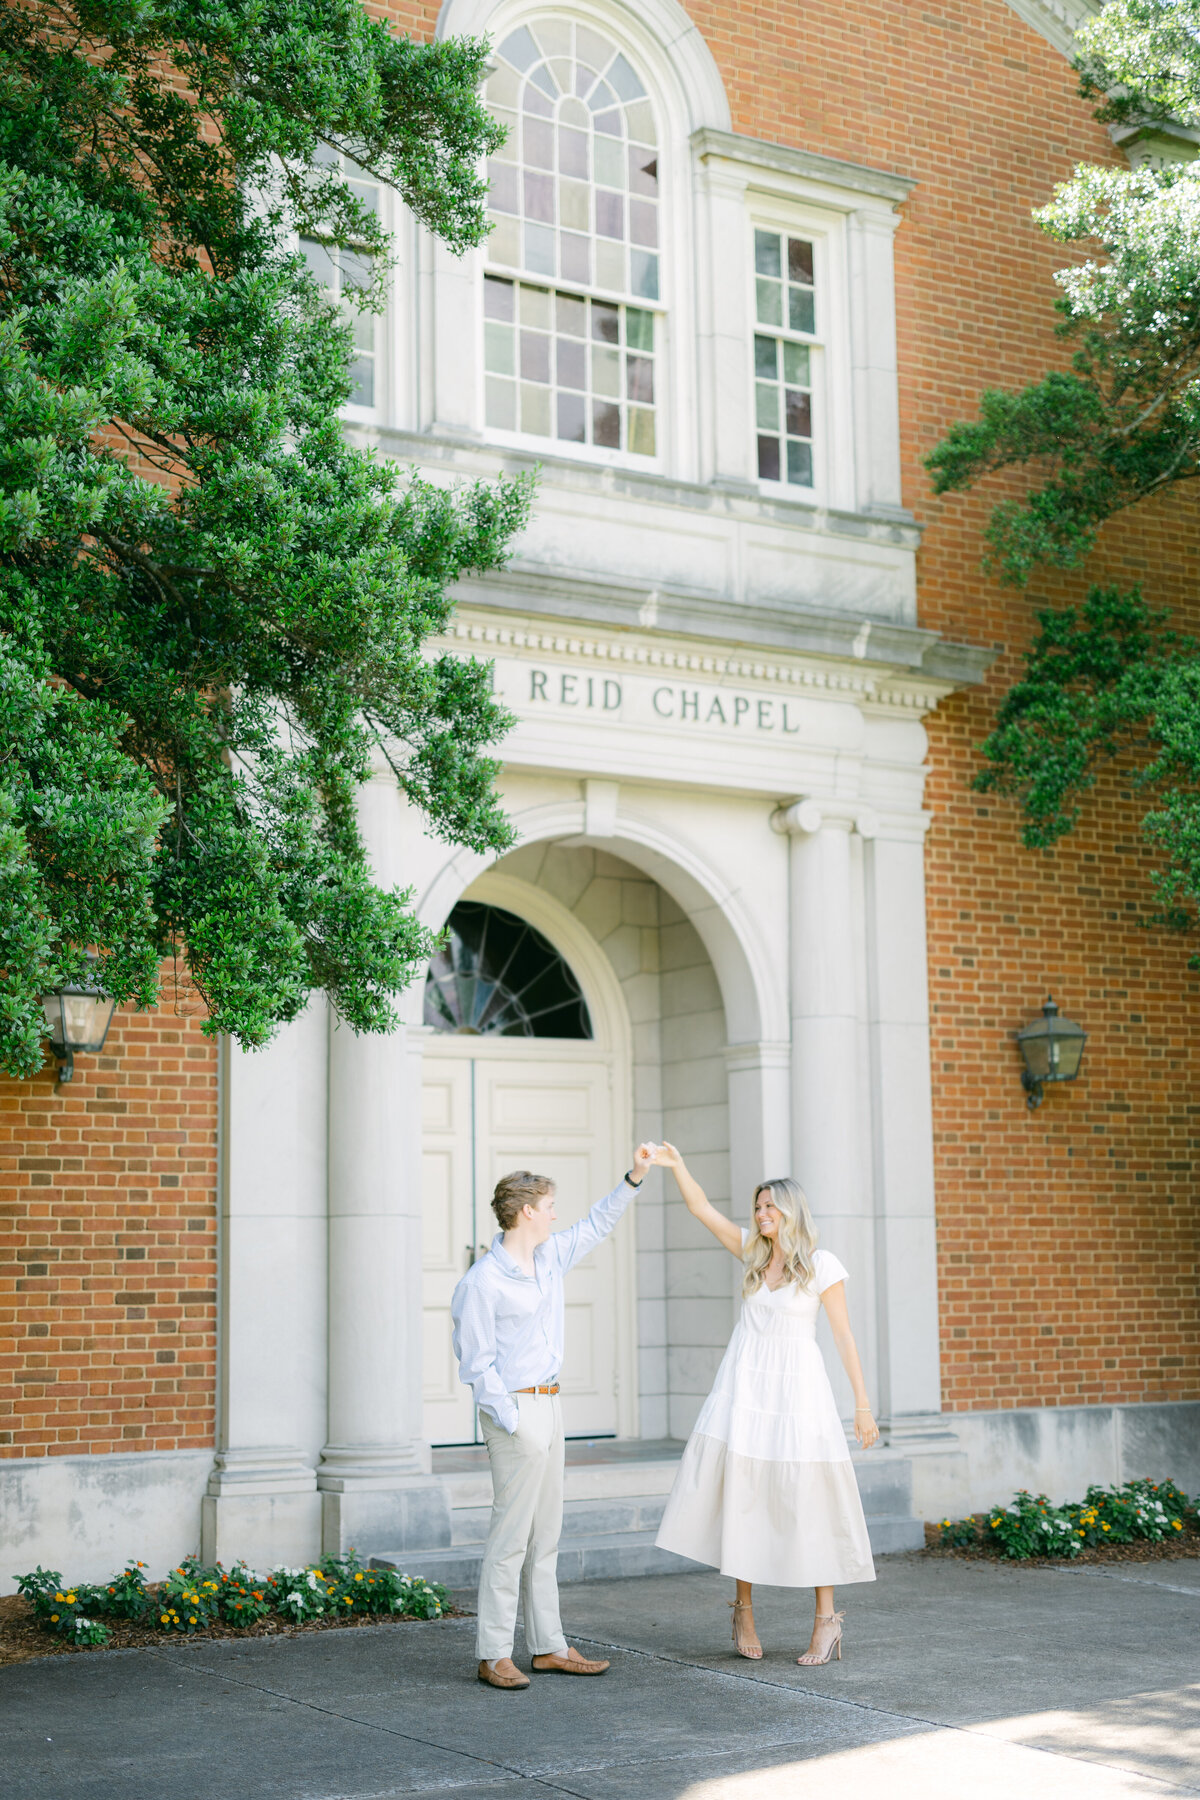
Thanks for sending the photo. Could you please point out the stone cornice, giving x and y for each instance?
(721, 633)
(1057, 20)
(801, 165)
(864, 684)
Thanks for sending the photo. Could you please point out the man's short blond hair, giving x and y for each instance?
(515, 1191)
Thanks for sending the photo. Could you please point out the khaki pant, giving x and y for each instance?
(520, 1558)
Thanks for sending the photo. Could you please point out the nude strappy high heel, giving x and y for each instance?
(752, 1652)
(807, 1661)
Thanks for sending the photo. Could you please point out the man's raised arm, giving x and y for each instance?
(578, 1241)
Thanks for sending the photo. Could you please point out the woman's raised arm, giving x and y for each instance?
(697, 1201)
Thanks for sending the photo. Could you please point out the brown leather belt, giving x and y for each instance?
(551, 1388)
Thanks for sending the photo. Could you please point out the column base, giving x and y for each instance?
(262, 1507)
(905, 1431)
(378, 1499)
(373, 1521)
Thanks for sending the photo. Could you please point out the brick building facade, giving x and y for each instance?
(1062, 1267)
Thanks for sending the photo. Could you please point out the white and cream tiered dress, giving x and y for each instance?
(766, 1489)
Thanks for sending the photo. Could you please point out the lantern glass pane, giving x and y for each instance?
(85, 1019)
(1068, 1046)
(53, 1011)
(1035, 1048)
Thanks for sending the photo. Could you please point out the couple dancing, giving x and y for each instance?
(765, 1490)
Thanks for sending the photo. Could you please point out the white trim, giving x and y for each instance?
(747, 970)
(662, 22)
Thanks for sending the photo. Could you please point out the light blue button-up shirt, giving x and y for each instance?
(508, 1326)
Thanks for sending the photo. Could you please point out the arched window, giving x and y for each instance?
(497, 976)
(572, 288)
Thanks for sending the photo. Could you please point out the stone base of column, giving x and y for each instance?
(376, 1500)
(262, 1507)
(911, 1431)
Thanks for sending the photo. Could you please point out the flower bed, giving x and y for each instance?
(198, 1598)
(1142, 1513)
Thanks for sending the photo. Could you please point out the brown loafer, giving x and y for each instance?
(570, 1664)
(503, 1673)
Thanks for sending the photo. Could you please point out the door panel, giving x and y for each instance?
(495, 1106)
(448, 1221)
(553, 1116)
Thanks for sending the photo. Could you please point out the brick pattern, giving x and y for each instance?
(1067, 1237)
(108, 1287)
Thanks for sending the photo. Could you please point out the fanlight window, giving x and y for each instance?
(497, 976)
(573, 255)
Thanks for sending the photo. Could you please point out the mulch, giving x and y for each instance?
(22, 1638)
(1179, 1544)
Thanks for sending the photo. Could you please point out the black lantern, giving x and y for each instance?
(1052, 1048)
(78, 1019)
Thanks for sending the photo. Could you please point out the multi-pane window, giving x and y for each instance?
(345, 272)
(571, 297)
(785, 310)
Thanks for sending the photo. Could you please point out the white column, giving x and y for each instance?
(902, 1130)
(830, 1106)
(374, 1471)
(262, 1502)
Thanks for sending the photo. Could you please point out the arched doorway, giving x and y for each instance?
(521, 1070)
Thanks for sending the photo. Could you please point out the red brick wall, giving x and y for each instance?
(108, 1291)
(1067, 1237)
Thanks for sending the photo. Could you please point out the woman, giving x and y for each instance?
(766, 1488)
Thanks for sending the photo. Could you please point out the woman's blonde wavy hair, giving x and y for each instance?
(797, 1235)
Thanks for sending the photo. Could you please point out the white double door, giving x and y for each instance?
(491, 1106)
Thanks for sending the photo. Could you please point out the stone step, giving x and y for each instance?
(581, 1518)
(609, 1556)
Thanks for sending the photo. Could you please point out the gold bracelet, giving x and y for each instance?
(859, 1409)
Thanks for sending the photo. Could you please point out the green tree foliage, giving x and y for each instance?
(213, 609)
(1107, 681)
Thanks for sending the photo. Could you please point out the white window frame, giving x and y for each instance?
(849, 215)
(670, 168)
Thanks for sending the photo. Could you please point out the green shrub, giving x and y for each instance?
(244, 1597)
(1145, 1510)
(958, 1534)
(125, 1596)
(196, 1595)
(1031, 1525)
(65, 1610)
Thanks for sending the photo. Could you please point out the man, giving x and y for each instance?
(508, 1338)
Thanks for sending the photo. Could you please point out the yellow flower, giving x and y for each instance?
(1104, 1527)
(70, 1599)
(359, 1577)
(1176, 1525)
(164, 1619)
(192, 1620)
(59, 1596)
(1081, 1534)
(54, 1618)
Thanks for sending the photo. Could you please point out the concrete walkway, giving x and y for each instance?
(961, 1681)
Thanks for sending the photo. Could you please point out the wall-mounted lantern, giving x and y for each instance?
(78, 1019)
(1052, 1048)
